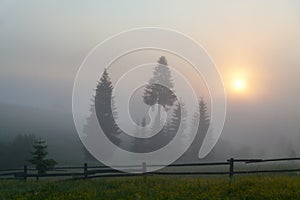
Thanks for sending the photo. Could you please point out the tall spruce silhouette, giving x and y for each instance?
(105, 109)
(102, 109)
(89, 127)
(203, 124)
(159, 89)
(177, 123)
(204, 116)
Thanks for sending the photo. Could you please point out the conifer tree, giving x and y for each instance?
(178, 118)
(39, 158)
(202, 115)
(105, 109)
(102, 109)
(159, 91)
(204, 118)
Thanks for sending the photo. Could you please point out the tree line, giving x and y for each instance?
(158, 91)
(15, 153)
(26, 149)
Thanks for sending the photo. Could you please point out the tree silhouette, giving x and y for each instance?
(102, 108)
(159, 88)
(38, 157)
(105, 109)
(203, 124)
(88, 128)
(204, 117)
(177, 123)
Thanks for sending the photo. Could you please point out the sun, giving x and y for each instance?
(243, 83)
(239, 85)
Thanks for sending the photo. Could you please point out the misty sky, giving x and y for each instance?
(42, 44)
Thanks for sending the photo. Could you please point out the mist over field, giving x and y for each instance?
(42, 45)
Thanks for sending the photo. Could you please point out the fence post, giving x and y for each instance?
(144, 167)
(25, 173)
(85, 170)
(231, 168)
(144, 170)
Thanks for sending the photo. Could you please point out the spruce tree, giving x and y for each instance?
(202, 115)
(105, 109)
(159, 90)
(178, 118)
(88, 128)
(39, 158)
(102, 109)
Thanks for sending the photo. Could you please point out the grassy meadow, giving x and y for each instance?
(156, 187)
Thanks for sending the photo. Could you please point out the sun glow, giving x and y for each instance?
(237, 82)
(243, 82)
(239, 85)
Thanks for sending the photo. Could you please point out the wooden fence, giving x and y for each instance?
(89, 172)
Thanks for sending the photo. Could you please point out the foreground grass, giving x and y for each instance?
(242, 187)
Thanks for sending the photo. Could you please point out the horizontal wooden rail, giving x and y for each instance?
(189, 173)
(274, 160)
(90, 172)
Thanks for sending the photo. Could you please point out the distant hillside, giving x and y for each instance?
(56, 127)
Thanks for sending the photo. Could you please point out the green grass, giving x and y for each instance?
(156, 187)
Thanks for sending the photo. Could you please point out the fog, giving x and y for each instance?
(42, 46)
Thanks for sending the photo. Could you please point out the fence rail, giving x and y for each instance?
(89, 172)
